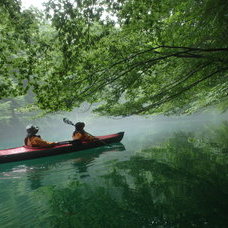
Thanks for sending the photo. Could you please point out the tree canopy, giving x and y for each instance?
(126, 56)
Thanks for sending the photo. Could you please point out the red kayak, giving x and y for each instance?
(26, 152)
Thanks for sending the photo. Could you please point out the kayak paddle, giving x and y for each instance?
(67, 121)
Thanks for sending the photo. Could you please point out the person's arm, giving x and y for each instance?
(90, 137)
(42, 143)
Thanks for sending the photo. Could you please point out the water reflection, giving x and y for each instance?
(21, 183)
(36, 170)
(180, 183)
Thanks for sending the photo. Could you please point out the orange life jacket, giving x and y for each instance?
(36, 141)
(84, 136)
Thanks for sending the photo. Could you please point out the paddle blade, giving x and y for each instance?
(65, 120)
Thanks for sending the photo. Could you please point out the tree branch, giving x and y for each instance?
(182, 54)
(178, 82)
(156, 104)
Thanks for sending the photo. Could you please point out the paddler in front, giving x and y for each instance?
(81, 134)
(34, 140)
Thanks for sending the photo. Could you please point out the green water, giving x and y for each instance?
(163, 179)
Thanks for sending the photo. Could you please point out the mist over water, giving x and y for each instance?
(52, 127)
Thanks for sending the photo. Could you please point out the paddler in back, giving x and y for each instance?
(34, 140)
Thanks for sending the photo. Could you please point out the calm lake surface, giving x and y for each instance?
(162, 174)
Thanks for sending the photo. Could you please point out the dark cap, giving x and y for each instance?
(79, 126)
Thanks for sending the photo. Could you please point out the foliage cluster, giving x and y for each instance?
(130, 57)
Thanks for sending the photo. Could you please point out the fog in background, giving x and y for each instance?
(136, 128)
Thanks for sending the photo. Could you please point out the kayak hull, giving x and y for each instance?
(25, 152)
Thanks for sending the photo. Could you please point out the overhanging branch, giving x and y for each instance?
(156, 104)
